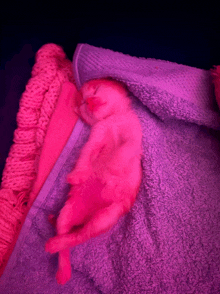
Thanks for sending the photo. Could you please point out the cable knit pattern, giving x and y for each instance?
(37, 104)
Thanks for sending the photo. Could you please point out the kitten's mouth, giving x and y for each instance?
(94, 103)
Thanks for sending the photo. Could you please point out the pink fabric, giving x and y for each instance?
(59, 130)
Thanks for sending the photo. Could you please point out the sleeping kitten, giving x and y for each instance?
(107, 175)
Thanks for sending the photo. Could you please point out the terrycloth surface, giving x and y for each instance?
(170, 241)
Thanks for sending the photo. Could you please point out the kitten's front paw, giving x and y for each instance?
(63, 276)
(78, 177)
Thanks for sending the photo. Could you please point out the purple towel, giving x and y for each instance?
(170, 240)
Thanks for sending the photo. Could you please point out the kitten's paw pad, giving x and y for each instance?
(63, 276)
(52, 245)
(78, 177)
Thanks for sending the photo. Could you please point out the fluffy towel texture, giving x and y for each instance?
(170, 241)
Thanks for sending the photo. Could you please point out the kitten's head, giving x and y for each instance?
(100, 98)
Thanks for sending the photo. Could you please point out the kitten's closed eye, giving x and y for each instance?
(96, 89)
(91, 88)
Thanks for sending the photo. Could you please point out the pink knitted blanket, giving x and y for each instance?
(45, 120)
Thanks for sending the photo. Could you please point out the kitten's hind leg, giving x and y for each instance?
(68, 217)
(100, 223)
(63, 274)
(64, 271)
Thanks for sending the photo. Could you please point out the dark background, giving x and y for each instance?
(184, 34)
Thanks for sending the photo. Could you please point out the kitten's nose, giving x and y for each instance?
(93, 103)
